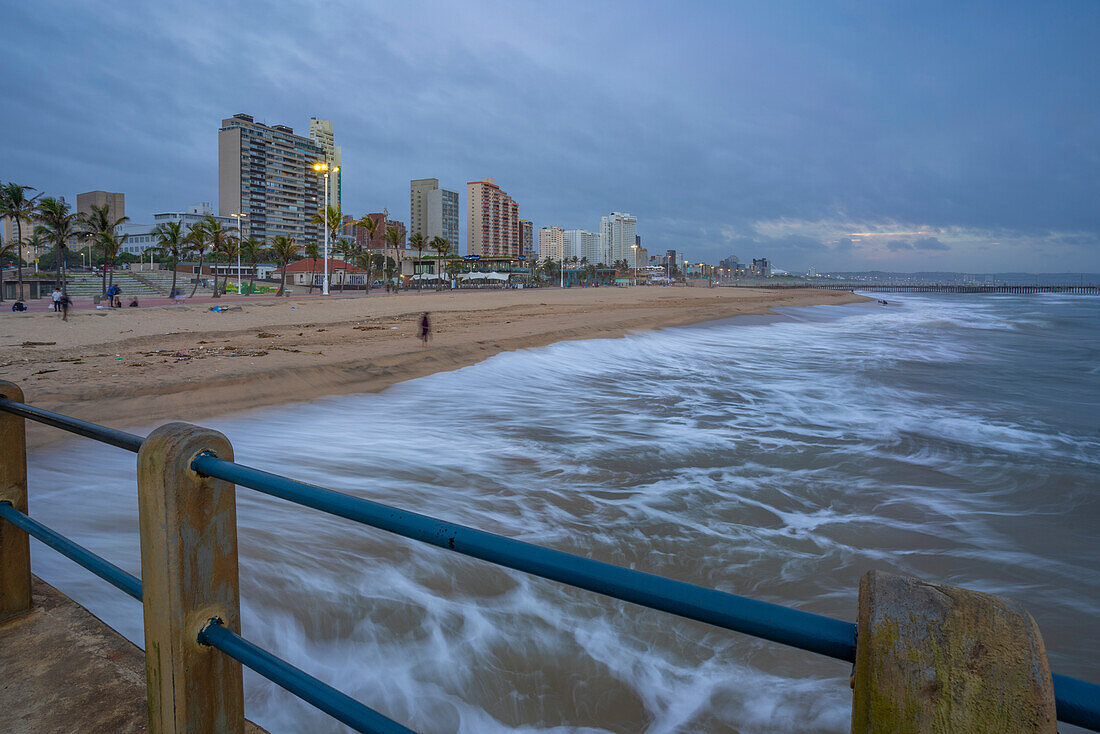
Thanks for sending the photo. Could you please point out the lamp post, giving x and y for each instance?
(241, 216)
(562, 268)
(324, 219)
(635, 248)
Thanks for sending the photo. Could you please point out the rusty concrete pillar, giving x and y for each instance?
(936, 658)
(189, 575)
(15, 550)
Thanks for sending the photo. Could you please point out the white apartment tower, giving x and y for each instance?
(320, 132)
(618, 235)
(551, 243)
(433, 212)
(584, 245)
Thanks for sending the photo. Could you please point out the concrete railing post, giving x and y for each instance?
(189, 575)
(937, 658)
(15, 550)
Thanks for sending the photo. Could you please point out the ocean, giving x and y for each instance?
(956, 438)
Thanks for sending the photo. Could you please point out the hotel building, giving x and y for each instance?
(266, 172)
(527, 238)
(433, 212)
(618, 235)
(584, 245)
(492, 221)
(320, 132)
(551, 243)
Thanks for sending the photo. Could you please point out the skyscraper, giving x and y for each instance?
(527, 238)
(267, 174)
(551, 243)
(585, 245)
(618, 232)
(320, 132)
(433, 212)
(492, 223)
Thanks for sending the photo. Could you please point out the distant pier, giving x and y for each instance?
(1091, 290)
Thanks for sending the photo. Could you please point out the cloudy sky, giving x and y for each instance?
(876, 135)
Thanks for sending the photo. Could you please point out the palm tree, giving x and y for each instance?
(442, 249)
(284, 248)
(219, 238)
(58, 227)
(250, 248)
(313, 254)
(98, 227)
(418, 243)
(371, 225)
(198, 240)
(110, 244)
(33, 242)
(346, 249)
(172, 243)
(15, 204)
(393, 237)
(230, 248)
(332, 219)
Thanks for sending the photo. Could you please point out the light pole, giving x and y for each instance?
(241, 216)
(324, 219)
(635, 248)
(562, 268)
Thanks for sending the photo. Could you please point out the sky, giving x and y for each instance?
(834, 135)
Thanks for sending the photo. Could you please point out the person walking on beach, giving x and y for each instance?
(56, 299)
(65, 302)
(425, 328)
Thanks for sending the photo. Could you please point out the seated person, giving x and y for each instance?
(18, 306)
(134, 303)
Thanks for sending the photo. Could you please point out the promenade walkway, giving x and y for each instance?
(65, 670)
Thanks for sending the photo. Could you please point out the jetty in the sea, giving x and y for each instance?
(923, 656)
(925, 288)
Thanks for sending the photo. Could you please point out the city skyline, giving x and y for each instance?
(815, 138)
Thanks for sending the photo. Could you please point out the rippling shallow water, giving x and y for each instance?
(955, 438)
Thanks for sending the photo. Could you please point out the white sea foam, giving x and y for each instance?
(947, 437)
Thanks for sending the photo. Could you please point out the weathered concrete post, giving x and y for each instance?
(936, 658)
(15, 550)
(189, 575)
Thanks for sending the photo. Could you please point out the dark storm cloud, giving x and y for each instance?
(706, 121)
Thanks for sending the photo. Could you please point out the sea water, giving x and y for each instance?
(952, 437)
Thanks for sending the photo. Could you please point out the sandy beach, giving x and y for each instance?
(131, 367)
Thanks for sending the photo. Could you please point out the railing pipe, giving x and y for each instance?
(1078, 701)
(824, 635)
(112, 436)
(98, 565)
(341, 707)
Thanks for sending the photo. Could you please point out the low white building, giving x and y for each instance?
(143, 236)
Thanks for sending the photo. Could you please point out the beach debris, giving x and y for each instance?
(32, 345)
(42, 372)
(266, 335)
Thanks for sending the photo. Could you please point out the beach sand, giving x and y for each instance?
(140, 367)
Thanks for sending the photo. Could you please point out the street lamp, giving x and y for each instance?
(324, 218)
(241, 216)
(635, 248)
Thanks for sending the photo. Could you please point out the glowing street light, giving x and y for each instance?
(324, 167)
(635, 248)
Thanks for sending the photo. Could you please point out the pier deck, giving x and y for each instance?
(66, 670)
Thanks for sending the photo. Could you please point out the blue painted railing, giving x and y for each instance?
(1078, 702)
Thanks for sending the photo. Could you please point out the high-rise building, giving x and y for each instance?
(383, 222)
(433, 212)
(618, 235)
(116, 203)
(320, 132)
(492, 220)
(584, 245)
(551, 243)
(527, 239)
(267, 174)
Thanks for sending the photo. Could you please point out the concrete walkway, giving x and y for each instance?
(64, 670)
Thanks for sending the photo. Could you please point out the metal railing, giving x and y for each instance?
(177, 459)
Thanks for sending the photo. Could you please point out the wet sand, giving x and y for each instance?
(145, 366)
